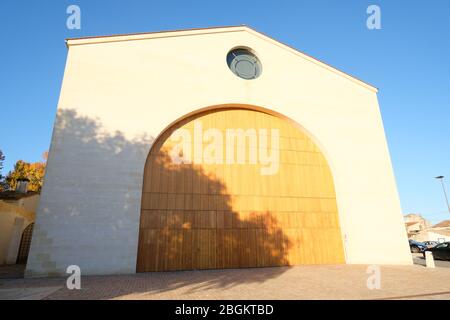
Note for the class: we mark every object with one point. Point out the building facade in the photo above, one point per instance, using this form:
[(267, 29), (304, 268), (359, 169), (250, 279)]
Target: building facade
[(17, 216), (415, 224), (213, 148), (421, 230)]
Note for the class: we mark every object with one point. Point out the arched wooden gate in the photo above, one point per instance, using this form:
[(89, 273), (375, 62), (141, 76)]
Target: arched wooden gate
[(226, 210)]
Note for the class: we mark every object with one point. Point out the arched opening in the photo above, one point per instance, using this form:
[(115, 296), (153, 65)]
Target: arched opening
[(234, 187), (25, 242)]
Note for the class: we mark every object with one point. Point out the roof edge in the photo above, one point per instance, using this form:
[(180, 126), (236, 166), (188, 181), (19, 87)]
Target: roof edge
[(147, 35), (198, 31)]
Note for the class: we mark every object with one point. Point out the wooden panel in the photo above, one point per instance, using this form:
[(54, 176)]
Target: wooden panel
[(212, 214)]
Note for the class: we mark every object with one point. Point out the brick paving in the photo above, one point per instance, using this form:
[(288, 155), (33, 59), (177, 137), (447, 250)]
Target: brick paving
[(12, 271), (300, 282)]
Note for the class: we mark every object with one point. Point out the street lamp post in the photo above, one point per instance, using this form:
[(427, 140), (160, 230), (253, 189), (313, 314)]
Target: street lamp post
[(441, 178)]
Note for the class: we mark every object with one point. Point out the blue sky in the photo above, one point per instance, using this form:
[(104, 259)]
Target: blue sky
[(408, 60)]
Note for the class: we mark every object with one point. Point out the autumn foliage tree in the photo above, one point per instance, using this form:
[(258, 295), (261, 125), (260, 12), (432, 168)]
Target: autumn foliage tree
[(32, 171), (2, 178)]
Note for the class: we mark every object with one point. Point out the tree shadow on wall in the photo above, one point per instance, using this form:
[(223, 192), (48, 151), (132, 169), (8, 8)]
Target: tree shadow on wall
[(87, 163), (189, 222), (188, 219), (97, 161)]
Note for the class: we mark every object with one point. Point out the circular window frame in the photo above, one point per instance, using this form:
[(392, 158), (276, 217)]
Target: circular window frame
[(252, 53)]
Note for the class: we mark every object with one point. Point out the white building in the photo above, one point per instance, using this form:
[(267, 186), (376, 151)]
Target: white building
[(420, 231), (111, 205)]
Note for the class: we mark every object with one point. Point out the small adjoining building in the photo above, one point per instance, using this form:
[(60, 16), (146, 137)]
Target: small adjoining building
[(17, 216)]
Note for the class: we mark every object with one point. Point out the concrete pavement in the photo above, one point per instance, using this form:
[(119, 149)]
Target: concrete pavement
[(419, 260)]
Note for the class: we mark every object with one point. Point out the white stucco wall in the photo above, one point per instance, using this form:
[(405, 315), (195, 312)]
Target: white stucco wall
[(120, 94)]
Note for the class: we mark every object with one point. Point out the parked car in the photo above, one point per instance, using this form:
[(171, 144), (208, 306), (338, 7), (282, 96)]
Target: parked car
[(417, 247), (430, 244), (440, 251)]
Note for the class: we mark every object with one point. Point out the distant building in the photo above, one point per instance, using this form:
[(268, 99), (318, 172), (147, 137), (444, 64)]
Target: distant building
[(437, 235), (414, 224), (440, 232), (420, 229), (445, 224)]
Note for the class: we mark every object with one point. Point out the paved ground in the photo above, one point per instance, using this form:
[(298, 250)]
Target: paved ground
[(301, 282), (419, 260), (12, 271)]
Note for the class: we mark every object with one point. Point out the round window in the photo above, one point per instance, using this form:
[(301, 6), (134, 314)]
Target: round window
[(244, 64)]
